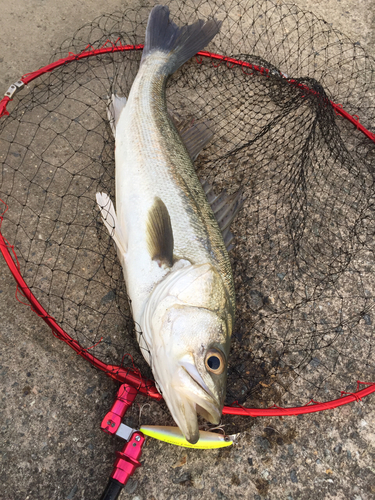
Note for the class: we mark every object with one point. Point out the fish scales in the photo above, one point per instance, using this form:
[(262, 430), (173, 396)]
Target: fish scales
[(175, 263), (156, 163)]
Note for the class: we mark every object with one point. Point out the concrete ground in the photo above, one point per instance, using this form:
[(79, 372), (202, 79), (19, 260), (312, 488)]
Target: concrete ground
[(52, 402)]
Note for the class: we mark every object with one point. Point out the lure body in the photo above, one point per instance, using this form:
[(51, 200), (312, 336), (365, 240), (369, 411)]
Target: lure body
[(172, 435)]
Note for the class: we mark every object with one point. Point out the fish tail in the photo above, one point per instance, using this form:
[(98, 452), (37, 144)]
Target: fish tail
[(181, 43)]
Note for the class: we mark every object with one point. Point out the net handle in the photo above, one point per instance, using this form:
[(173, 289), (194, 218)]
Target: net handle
[(112, 490), (119, 373)]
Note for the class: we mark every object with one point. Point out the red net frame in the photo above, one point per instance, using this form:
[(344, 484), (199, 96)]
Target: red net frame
[(132, 377)]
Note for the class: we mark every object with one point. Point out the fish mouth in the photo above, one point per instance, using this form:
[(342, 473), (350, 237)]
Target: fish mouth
[(194, 398), (192, 372)]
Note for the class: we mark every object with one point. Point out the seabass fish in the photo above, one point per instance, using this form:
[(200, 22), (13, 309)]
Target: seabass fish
[(170, 245)]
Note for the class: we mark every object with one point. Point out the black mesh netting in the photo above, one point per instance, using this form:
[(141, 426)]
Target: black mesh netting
[(304, 256)]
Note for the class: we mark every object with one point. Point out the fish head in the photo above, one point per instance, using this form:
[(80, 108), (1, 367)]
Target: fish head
[(190, 366), (189, 355)]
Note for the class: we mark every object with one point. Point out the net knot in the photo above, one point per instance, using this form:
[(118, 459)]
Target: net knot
[(278, 407), (359, 383), (135, 369), (354, 394), (108, 42), (338, 105), (247, 65), (89, 48), (237, 404), (57, 335), (312, 402)]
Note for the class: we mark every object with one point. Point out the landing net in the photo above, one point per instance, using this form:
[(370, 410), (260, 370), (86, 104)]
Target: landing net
[(291, 101)]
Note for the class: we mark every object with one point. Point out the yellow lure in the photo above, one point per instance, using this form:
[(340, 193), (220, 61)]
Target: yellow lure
[(173, 435)]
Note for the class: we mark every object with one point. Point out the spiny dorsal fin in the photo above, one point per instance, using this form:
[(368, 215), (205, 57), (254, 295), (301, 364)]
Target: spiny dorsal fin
[(194, 134), (225, 209), (160, 234)]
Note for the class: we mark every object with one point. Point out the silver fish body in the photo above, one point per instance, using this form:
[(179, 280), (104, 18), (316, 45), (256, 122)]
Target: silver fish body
[(152, 162), (176, 266)]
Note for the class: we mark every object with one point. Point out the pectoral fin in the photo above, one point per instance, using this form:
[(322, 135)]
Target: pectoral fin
[(160, 234), (115, 106)]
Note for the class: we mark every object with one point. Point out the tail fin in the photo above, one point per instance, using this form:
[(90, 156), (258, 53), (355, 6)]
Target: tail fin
[(181, 43)]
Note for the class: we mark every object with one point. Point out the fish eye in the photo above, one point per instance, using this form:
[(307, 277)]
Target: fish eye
[(215, 361)]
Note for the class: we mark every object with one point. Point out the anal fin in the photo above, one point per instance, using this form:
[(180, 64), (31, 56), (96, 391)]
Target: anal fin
[(225, 209), (110, 221)]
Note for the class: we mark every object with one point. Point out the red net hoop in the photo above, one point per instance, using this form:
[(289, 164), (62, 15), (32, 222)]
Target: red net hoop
[(303, 89)]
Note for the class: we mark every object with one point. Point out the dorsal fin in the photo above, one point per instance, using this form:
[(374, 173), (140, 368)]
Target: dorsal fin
[(194, 134), (225, 209), (160, 234)]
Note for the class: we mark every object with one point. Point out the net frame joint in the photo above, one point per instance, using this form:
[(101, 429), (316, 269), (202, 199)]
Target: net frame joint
[(13, 89), (124, 399)]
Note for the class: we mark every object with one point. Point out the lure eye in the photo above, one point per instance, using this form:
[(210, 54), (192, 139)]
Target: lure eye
[(215, 361)]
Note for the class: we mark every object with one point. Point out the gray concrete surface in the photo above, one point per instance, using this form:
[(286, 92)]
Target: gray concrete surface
[(52, 402)]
